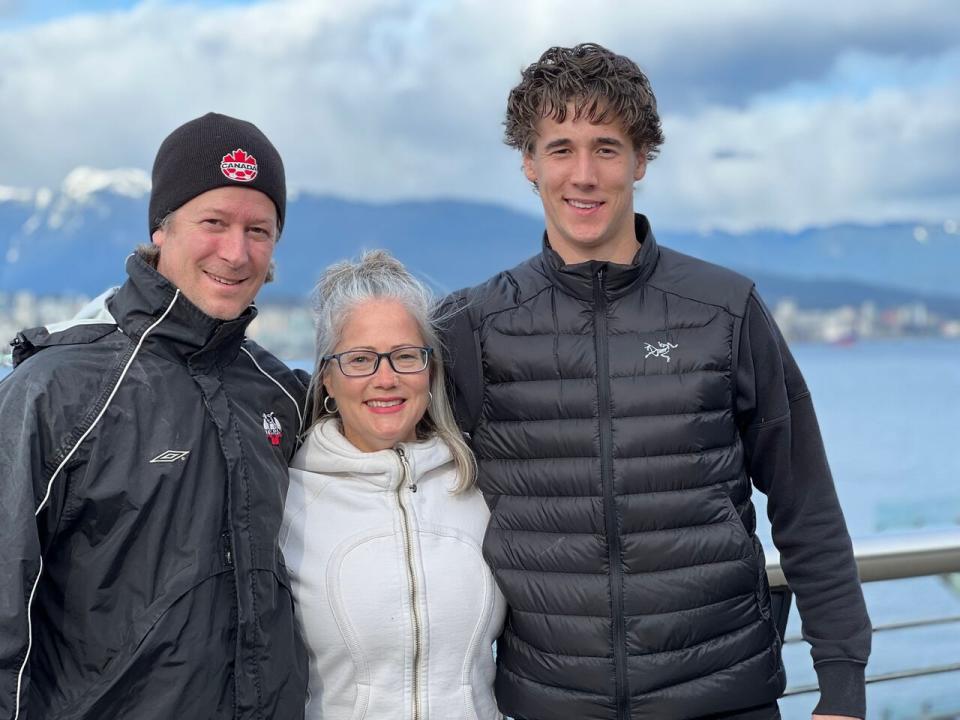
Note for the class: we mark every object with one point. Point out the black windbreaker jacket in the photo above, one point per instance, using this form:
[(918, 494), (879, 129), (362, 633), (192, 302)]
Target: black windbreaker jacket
[(144, 468), (616, 448)]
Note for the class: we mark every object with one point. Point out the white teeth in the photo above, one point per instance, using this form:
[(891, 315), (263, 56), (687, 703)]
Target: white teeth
[(223, 281), (383, 403), (583, 205)]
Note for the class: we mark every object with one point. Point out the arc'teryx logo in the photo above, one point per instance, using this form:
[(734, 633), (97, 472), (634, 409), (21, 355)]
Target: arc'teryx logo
[(661, 351), (169, 456)]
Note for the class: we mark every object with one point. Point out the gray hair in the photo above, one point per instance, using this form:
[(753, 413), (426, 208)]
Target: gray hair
[(379, 275)]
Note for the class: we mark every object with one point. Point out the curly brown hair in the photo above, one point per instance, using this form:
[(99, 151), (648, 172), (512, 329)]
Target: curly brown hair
[(603, 87)]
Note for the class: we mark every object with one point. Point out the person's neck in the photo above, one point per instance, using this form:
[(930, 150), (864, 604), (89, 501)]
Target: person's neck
[(621, 252)]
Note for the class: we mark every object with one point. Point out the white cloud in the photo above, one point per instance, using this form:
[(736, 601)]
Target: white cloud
[(890, 156), (15, 194), (385, 99)]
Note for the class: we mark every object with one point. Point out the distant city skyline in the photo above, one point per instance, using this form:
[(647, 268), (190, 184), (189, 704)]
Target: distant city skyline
[(777, 115)]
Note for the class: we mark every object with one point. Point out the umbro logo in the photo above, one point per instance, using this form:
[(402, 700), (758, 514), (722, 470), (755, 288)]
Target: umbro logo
[(170, 456), (661, 351)]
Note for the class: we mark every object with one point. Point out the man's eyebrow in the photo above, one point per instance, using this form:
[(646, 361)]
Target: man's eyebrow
[(225, 213), (564, 142)]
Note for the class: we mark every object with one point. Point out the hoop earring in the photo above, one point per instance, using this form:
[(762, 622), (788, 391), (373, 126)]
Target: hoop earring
[(429, 395), (326, 406)]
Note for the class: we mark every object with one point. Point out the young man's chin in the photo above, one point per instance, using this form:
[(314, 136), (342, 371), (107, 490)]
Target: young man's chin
[(587, 241)]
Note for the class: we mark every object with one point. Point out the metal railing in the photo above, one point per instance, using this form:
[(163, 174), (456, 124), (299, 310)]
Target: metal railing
[(887, 557)]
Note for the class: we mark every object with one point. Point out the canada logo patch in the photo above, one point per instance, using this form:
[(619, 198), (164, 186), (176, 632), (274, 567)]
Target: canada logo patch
[(271, 426), (239, 165)]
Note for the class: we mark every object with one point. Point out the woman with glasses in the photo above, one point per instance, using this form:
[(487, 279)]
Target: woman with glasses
[(383, 525)]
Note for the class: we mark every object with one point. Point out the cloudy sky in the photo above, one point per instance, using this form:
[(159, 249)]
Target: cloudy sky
[(777, 114)]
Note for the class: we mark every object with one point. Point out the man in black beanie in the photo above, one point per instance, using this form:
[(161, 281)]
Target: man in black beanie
[(145, 452), (216, 210)]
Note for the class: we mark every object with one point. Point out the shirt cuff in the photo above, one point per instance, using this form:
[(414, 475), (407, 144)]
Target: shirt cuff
[(842, 689)]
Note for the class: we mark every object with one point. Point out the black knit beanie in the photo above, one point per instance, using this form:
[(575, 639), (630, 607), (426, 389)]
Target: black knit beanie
[(210, 152)]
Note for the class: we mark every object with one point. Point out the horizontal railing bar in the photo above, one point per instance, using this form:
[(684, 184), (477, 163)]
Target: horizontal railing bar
[(884, 677), (893, 557), (901, 625)]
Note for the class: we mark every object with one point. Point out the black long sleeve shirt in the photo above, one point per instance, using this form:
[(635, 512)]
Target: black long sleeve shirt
[(786, 461)]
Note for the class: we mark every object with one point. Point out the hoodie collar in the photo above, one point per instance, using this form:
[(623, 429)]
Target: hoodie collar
[(577, 280), (186, 334), (327, 451)]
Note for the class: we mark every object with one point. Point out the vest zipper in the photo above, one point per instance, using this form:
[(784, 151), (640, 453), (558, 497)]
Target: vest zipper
[(411, 577), (227, 549), (609, 502)]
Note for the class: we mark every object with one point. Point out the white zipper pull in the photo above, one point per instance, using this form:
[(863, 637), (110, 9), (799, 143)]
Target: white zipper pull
[(406, 468)]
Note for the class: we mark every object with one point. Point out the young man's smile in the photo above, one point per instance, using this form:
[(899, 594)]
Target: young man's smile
[(585, 172)]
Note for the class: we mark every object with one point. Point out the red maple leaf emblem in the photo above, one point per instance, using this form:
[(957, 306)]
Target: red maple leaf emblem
[(239, 155), (239, 165)]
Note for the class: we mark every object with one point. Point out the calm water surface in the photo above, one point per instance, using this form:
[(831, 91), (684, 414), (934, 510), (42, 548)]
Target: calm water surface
[(890, 416)]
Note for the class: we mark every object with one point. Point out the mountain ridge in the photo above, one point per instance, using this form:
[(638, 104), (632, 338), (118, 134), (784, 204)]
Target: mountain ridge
[(75, 240)]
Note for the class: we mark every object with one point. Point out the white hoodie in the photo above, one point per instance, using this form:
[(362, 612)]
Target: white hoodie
[(398, 607)]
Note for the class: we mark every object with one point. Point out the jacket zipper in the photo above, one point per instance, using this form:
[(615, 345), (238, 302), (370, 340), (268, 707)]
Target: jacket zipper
[(411, 577), (609, 502)]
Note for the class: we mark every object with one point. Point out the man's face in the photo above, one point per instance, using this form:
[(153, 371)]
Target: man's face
[(585, 174), (217, 248)]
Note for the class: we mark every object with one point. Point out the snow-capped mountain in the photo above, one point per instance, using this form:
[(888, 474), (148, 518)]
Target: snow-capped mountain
[(84, 189), (54, 240), (74, 240)]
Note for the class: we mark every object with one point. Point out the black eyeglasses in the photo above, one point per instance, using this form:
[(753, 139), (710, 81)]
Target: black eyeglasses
[(360, 363)]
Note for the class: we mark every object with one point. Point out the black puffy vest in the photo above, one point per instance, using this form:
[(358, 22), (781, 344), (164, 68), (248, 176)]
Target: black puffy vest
[(622, 531)]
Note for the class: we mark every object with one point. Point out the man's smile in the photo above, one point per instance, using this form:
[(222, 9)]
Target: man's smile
[(584, 204), (222, 280)]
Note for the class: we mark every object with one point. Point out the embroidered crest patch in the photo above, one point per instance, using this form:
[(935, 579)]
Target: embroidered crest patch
[(239, 166), (271, 426)]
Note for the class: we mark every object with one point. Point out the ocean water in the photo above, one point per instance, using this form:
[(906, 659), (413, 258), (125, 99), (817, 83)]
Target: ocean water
[(890, 416)]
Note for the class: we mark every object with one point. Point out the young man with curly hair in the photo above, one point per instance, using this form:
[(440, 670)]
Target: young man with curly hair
[(623, 400)]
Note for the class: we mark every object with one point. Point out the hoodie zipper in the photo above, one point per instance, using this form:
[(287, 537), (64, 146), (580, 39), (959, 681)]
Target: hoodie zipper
[(411, 575), (609, 501)]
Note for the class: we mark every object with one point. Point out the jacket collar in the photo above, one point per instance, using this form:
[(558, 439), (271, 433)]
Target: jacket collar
[(326, 451), (577, 280), (186, 333)]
